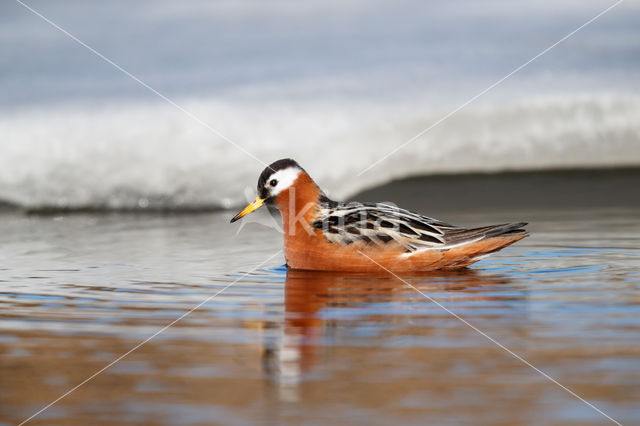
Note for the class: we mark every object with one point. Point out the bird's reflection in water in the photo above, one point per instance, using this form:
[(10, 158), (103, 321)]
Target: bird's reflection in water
[(309, 293)]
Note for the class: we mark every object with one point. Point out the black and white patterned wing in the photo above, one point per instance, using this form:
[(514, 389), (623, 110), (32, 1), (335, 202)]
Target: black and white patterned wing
[(377, 223)]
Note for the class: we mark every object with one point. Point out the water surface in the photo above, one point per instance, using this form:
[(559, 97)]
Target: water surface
[(279, 346)]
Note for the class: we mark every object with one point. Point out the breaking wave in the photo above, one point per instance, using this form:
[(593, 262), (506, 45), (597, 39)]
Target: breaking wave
[(150, 156)]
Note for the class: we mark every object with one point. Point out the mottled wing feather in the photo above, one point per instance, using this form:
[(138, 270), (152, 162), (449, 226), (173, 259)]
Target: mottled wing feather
[(377, 223)]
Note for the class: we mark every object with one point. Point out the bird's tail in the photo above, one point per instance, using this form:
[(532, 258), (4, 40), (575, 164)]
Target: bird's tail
[(473, 244), (505, 231)]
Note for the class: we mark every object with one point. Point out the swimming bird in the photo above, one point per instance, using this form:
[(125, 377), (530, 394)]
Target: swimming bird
[(327, 235)]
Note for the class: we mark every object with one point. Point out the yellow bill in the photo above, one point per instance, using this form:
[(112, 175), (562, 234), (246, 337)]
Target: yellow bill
[(251, 207)]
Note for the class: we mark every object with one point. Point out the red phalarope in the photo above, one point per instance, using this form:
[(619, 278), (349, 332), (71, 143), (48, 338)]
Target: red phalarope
[(322, 234)]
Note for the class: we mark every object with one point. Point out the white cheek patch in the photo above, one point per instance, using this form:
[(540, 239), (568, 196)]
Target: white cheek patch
[(285, 179)]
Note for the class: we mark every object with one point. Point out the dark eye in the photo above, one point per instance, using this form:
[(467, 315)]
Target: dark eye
[(273, 182)]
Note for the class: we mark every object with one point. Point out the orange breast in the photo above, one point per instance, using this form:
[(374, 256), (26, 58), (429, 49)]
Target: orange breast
[(306, 247), (314, 252)]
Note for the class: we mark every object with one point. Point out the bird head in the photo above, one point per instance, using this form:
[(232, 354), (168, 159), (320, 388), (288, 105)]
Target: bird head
[(277, 177)]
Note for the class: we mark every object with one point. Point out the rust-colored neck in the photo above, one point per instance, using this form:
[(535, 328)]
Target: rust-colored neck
[(298, 205)]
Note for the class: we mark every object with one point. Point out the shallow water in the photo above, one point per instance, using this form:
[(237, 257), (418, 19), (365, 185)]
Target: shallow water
[(279, 346)]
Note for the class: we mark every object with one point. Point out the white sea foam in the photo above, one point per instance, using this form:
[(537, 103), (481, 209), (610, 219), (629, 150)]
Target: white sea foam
[(149, 155)]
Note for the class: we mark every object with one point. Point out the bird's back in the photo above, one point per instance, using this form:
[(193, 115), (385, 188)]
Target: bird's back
[(369, 236)]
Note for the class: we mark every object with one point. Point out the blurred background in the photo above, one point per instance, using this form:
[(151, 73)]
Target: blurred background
[(334, 85)]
